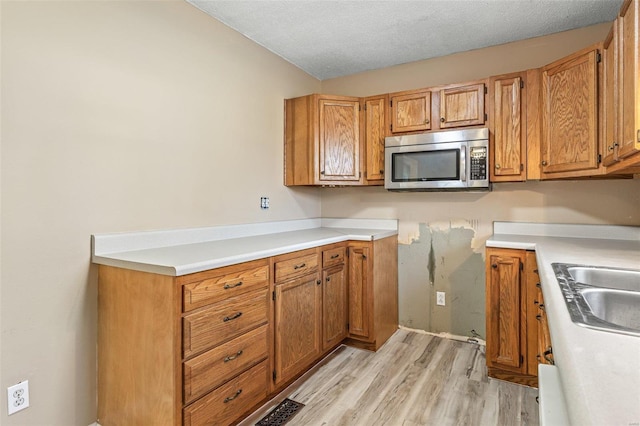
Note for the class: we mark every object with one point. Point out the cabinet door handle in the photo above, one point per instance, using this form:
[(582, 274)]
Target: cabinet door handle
[(321, 172), (538, 285), (232, 357), (498, 166), (302, 265), (442, 119), (426, 121), (494, 266), (544, 163), (232, 317), (541, 306), (546, 356), (328, 279), (335, 256), (231, 398), (319, 282), (228, 286), (539, 317)]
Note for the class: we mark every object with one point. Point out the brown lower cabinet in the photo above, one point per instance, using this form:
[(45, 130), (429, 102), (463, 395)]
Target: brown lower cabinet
[(210, 347), (517, 335)]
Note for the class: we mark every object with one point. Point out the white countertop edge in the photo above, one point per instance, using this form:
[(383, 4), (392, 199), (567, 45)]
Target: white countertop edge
[(500, 242), (102, 244), (190, 268), (608, 232)]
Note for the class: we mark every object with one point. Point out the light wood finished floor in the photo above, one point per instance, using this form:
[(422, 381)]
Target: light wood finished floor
[(414, 379)]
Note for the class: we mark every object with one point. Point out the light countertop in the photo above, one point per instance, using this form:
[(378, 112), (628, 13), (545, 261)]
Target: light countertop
[(599, 371), (181, 252)]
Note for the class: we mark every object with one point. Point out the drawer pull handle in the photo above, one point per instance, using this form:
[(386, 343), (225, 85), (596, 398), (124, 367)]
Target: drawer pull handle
[(231, 398), (539, 317), (541, 306), (232, 357), (538, 285), (228, 286), (335, 256), (232, 317), (302, 265)]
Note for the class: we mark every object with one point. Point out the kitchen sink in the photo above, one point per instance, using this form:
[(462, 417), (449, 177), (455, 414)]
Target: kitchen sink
[(606, 299), (621, 279)]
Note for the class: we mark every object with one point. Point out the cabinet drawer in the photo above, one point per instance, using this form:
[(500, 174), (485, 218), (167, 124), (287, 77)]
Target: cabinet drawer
[(212, 368), (223, 321), (231, 400), (296, 267), (229, 282), (333, 256)]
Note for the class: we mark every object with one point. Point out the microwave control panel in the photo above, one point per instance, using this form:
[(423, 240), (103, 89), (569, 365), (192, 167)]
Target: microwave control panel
[(478, 156)]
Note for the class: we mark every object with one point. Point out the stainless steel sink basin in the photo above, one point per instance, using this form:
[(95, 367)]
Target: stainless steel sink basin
[(618, 307), (602, 298), (621, 279)]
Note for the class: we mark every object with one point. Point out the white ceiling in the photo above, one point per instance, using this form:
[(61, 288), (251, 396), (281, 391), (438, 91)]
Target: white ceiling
[(333, 38)]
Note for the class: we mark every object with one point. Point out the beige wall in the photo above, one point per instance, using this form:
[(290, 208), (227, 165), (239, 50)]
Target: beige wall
[(120, 116), (442, 234)]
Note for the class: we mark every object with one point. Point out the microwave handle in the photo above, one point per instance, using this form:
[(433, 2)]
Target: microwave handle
[(463, 163)]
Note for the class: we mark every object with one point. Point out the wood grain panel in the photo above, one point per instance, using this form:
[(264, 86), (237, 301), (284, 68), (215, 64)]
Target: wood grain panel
[(296, 267), (570, 99), (339, 138), (298, 317), (208, 327), (226, 282), (531, 307), (629, 88), (385, 289), (334, 306), (608, 118), (360, 291), (139, 380), (503, 307), (376, 125), (534, 123), (299, 156), (462, 106), (229, 401), (410, 111), (508, 130), (333, 256), (212, 368)]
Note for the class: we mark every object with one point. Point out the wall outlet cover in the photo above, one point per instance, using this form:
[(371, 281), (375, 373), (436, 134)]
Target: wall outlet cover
[(440, 298), (17, 397)]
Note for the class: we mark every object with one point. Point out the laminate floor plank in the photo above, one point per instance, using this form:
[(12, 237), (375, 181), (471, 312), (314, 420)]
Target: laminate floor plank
[(415, 379)]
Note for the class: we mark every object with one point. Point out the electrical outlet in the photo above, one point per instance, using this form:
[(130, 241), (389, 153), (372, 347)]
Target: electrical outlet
[(264, 203), (18, 397), (440, 298)]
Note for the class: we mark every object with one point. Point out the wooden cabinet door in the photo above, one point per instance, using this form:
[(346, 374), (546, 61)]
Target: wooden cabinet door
[(569, 118), (410, 111), (505, 340), (298, 313), (509, 129), (360, 292), (629, 87), (339, 140), (376, 125), (462, 106), (334, 306), (532, 300), (609, 97)]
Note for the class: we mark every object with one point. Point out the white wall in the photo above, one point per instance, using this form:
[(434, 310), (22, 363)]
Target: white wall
[(120, 116)]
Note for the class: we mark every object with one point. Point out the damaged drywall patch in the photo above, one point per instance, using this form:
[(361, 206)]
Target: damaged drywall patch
[(443, 257)]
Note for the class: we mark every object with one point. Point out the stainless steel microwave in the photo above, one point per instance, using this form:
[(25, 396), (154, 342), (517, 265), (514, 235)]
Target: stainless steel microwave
[(454, 160)]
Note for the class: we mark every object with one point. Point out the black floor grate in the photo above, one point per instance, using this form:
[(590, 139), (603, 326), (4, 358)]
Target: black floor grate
[(281, 414)]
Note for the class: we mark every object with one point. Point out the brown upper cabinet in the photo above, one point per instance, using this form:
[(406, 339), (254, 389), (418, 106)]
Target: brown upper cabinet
[(322, 140), (330, 139), (507, 125), (569, 146), (461, 105), (621, 137), (376, 123), (410, 111)]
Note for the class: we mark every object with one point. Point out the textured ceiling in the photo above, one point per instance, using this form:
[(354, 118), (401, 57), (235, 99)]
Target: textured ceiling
[(335, 38)]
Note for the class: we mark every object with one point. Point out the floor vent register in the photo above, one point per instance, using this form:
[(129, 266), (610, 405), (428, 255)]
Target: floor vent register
[(281, 414)]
